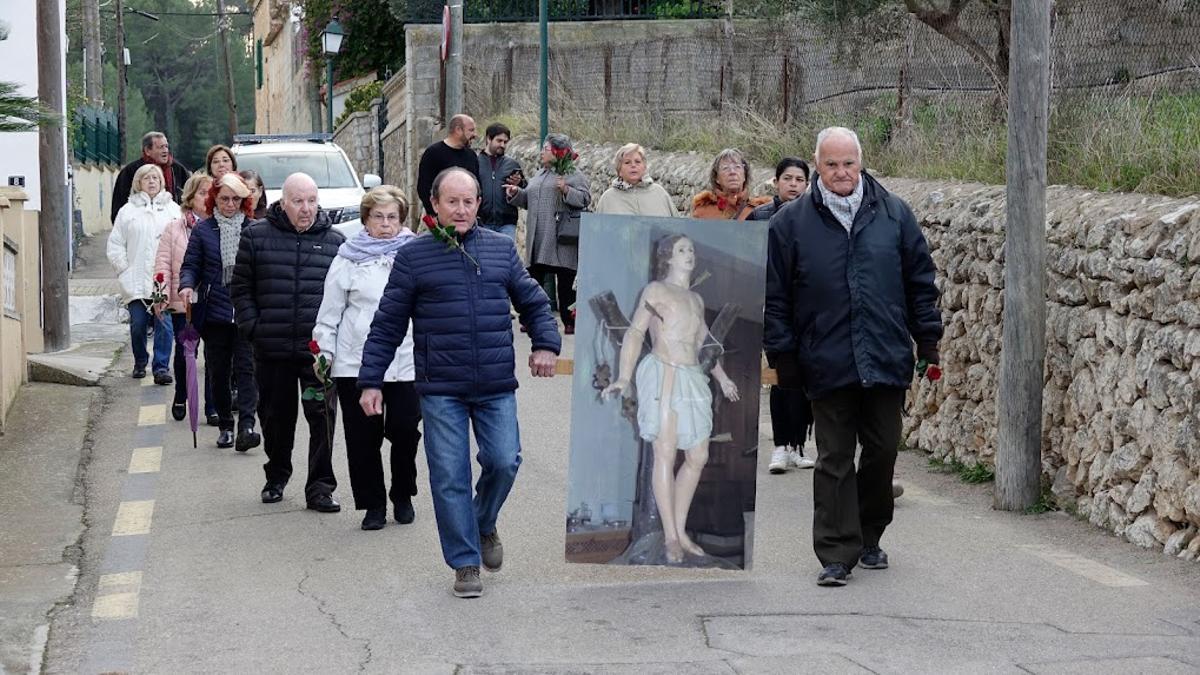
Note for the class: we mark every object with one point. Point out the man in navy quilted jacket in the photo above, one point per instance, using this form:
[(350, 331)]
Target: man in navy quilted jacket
[(456, 288)]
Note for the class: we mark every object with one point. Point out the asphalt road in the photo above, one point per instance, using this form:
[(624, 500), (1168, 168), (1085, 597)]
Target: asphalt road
[(184, 570)]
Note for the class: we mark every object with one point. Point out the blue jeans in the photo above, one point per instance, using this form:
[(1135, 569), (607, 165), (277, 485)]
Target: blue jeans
[(164, 337), (460, 519), (509, 231)]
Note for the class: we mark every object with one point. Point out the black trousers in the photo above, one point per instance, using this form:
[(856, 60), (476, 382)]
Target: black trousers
[(364, 439), (851, 510), (229, 360), (280, 387), (791, 417), (564, 280)]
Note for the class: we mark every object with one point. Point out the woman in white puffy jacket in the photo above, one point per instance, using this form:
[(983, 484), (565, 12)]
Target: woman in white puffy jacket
[(132, 246), (353, 287)]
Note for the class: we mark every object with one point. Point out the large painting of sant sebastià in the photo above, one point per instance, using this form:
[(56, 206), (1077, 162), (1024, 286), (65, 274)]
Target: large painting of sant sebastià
[(664, 419)]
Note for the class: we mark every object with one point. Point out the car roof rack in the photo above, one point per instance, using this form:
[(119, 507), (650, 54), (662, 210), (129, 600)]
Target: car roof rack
[(251, 139)]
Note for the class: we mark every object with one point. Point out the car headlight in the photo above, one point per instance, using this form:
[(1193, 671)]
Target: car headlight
[(345, 214)]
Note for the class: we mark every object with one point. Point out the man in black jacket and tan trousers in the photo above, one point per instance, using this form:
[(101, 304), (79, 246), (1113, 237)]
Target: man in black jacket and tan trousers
[(850, 289), (278, 283)]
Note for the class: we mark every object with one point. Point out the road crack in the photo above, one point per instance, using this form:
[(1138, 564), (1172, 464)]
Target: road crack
[(368, 652)]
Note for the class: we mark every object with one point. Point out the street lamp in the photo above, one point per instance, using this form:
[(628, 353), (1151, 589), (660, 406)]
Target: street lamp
[(331, 42)]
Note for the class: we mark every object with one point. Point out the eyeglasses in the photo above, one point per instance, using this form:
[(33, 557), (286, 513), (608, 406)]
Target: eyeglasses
[(385, 218)]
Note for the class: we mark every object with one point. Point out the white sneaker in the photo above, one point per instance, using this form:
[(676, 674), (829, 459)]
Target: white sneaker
[(779, 460), (798, 460)]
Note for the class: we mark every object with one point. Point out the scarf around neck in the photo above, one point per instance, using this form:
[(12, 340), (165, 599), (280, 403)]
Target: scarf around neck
[(621, 184), (231, 234), (363, 247), (842, 208)]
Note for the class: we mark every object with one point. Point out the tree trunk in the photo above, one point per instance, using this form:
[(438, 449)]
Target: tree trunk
[(93, 65), (227, 67)]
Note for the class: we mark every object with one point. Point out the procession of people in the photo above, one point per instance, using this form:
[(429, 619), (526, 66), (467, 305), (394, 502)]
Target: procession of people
[(409, 337)]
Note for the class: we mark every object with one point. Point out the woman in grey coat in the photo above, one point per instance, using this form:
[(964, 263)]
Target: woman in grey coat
[(548, 194)]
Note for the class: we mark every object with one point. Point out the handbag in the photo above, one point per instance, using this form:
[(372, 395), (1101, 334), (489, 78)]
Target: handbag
[(566, 224)]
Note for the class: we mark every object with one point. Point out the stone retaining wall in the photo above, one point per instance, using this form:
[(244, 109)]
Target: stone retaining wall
[(1121, 433)]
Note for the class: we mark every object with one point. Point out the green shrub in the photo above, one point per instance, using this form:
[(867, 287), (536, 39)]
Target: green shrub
[(359, 100)]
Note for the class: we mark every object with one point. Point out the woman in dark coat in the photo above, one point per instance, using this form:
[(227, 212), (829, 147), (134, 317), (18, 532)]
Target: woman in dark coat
[(204, 279)]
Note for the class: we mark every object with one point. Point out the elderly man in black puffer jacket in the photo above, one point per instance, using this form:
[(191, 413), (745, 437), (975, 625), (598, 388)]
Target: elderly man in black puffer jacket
[(278, 283)]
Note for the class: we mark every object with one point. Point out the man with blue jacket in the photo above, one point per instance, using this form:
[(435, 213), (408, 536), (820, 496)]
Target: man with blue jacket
[(456, 288), (850, 288)]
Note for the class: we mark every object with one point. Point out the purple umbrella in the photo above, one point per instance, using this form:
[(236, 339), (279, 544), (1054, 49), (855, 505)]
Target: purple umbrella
[(189, 340)]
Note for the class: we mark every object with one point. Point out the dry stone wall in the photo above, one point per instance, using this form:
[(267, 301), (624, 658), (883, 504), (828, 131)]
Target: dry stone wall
[(1121, 436)]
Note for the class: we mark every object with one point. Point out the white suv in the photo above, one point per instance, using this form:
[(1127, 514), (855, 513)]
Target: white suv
[(275, 157)]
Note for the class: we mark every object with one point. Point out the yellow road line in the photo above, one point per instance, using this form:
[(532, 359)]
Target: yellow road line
[(1085, 567), (133, 518), (146, 460), (150, 415), (117, 596)]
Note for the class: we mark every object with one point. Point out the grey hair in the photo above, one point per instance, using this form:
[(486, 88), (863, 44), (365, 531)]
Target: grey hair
[(559, 141), (731, 154), (150, 137), (625, 151), (829, 132)]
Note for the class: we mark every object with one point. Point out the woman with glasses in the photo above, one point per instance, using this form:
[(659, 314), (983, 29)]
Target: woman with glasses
[(791, 413), (204, 281), (727, 196), (353, 287)]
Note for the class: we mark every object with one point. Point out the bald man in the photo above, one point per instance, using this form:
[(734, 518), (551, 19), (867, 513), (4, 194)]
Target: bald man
[(850, 289), (278, 283), (458, 300), (453, 151)]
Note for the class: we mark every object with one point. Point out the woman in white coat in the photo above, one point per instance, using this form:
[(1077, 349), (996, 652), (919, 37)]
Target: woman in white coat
[(353, 287), (132, 246)]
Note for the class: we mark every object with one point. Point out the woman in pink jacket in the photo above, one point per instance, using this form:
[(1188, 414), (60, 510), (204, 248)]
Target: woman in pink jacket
[(171, 248)]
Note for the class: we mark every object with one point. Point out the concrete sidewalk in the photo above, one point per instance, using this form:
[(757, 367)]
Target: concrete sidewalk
[(44, 452)]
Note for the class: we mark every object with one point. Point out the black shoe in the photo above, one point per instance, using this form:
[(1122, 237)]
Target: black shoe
[(178, 411), (225, 439), (247, 438), (163, 378), (271, 493), (325, 504), (491, 551), (873, 558), (404, 512), (139, 372), (214, 420), (375, 519), (834, 574)]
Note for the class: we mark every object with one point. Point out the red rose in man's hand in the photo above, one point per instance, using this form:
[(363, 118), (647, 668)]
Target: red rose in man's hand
[(314, 347), (160, 277), (933, 372)]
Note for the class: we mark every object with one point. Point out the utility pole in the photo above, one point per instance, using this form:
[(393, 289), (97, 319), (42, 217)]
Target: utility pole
[(231, 102), (544, 70), (122, 83), (93, 64), (454, 66), (1022, 358), (52, 219)]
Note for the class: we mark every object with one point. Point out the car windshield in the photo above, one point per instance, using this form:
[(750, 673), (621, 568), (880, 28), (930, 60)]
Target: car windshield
[(328, 169)]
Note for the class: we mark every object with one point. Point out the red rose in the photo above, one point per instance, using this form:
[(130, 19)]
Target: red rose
[(429, 221), (314, 347), (933, 372), (574, 155), (559, 152), (160, 277)]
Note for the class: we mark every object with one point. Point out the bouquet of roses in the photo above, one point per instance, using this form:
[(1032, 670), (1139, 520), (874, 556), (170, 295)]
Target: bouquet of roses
[(447, 235), (564, 160)]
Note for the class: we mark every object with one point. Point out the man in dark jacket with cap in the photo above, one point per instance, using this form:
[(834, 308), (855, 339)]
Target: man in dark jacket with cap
[(850, 288), (278, 283), (456, 289)]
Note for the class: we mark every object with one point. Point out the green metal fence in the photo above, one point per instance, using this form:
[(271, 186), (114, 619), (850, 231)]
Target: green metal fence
[(96, 138)]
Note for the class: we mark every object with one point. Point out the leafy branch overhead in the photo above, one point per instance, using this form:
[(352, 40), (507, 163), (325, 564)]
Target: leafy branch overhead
[(21, 113), (374, 41)]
